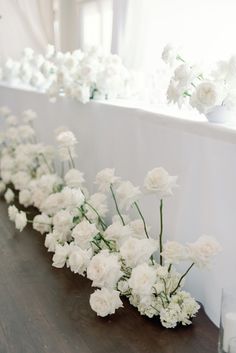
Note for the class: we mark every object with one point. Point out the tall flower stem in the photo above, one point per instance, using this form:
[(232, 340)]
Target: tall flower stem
[(181, 279), (141, 215), (161, 231), (46, 162), (116, 204), (103, 224), (71, 159)]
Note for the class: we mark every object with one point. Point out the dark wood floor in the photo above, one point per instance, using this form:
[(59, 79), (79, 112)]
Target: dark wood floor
[(43, 309)]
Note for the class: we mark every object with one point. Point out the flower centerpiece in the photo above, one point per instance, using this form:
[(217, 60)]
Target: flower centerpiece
[(122, 257)]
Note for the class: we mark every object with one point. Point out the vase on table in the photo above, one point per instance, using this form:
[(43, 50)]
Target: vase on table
[(219, 114), (227, 335)]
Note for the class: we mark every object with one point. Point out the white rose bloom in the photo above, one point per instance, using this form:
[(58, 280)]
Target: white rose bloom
[(207, 95), (142, 279), (61, 255), (105, 178), (63, 221), (6, 176), (79, 259), (74, 178), (20, 221), (184, 74), (127, 194), (50, 242), (175, 93), (12, 212), (66, 139), (202, 251), (83, 234), (174, 252), (20, 180), (105, 301), (137, 228), (159, 181), (52, 204), (9, 196), (117, 232), (169, 54), (137, 251), (25, 197), (98, 201), (2, 187), (42, 223), (104, 270), (72, 198)]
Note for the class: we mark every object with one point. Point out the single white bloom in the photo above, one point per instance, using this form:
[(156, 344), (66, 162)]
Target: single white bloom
[(9, 195), (98, 202), (61, 255), (118, 233), (79, 259), (42, 223), (83, 234), (51, 242), (74, 178), (21, 220), (2, 187), (12, 212), (127, 194), (169, 54), (142, 279), (25, 197), (137, 228), (202, 251), (174, 252), (160, 182), (105, 301), (137, 251), (105, 178)]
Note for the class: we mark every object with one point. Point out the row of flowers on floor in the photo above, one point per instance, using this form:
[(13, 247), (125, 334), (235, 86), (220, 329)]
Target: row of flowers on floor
[(122, 258)]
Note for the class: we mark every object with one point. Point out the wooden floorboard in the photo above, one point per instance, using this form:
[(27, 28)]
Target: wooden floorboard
[(46, 310)]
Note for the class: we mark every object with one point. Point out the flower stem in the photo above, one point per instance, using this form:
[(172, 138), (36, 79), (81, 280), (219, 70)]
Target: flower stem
[(103, 224), (46, 162), (141, 215), (71, 159), (181, 279), (117, 208), (161, 231)]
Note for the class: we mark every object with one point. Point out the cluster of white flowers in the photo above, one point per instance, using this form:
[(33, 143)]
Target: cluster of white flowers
[(122, 258), (202, 90), (80, 75)]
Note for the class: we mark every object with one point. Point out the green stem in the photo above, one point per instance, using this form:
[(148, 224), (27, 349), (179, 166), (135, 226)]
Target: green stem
[(178, 57), (117, 208), (181, 279), (71, 159), (105, 241), (141, 215), (46, 162), (161, 231), (103, 224)]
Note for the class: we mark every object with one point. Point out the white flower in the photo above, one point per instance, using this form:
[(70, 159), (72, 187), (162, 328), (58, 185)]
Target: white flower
[(142, 280), (2, 187), (63, 221), (72, 198), (127, 194), (207, 95), (105, 301), (61, 254), (66, 139), (104, 270), (20, 180), (98, 202), (20, 221), (169, 54), (184, 74), (175, 93), (79, 259), (137, 251), (137, 228), (159, 181), (12, 212), (25, 197), (117, 232), (12, 120), (105, 178), (51, 242), (203, 250), (174, 252), (9, 195), (83, 234), (74, 178), (42, 223)]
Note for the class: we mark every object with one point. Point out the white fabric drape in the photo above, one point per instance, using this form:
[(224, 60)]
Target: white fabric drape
[(25, 23)]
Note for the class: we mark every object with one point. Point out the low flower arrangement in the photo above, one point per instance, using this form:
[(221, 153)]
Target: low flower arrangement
[(80, 75), (122, 258), (202, 90)]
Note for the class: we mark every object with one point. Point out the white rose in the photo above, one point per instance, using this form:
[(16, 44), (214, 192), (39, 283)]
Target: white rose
[(137, 228), (104, 270), (25, 197), (174, 252), (203, 250), (83, 234), (74, 178), (117, 232), (142, 280), (63, 221), (79, 259), (105, 178), (61, 255), (137, 251), (50, 242), (12, 212), (20, 221), (207, 95), (159, 181), (42, 223), (169, 54), (9, 196), (98, 202), (127, 194), (72, 198), (105, 301)]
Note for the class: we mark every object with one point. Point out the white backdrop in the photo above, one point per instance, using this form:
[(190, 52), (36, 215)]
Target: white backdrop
[(134, 141)]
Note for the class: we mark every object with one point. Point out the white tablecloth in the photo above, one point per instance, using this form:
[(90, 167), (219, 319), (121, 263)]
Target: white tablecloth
[(135, 141)]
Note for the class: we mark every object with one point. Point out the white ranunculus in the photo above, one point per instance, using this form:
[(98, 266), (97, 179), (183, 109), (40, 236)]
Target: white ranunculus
[(20, 180), (63, 221), (79, 259), (117, 232), (137, 251), (174, 252), (9, 195), (202, 251), (72, 198), (159, 181), (12, 212), (61, 255), (127, 194), (84, 233), (105, 301), (105, 178), (104, 270), (142, 279), (42, 223), (20, 220), (74, 178)]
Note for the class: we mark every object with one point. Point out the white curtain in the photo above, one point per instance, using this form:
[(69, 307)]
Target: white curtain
[(25, 23)]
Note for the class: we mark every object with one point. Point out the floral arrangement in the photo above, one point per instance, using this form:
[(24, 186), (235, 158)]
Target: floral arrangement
[(203, 91), (122, 257), (80, 75)]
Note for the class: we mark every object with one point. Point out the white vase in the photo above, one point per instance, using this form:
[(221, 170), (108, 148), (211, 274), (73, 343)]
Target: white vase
[(219, 115)]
